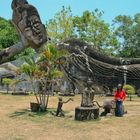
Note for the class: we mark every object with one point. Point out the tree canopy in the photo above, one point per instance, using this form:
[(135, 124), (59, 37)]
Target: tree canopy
[(93, 29), (128, 33), (8, 35)]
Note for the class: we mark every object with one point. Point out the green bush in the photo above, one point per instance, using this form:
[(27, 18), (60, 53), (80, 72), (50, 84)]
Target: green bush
[(129, 89), (7, 82)]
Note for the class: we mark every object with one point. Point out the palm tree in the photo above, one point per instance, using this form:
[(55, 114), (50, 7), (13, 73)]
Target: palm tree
[(48, 64), (42, 70)]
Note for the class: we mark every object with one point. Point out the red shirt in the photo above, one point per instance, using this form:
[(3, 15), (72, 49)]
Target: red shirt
[(120, 95)]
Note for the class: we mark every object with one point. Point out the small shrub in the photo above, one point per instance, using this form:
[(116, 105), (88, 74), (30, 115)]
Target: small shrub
[(7, 82), (130, 90)]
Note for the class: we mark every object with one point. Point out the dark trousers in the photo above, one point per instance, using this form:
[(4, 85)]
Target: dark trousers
[(119, 109)]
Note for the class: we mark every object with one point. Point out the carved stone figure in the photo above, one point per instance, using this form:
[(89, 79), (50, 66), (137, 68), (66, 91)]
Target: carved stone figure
[(78, 46), (29, 27), (88, 110), (109, 107), (28, 24), (88, 95), (59, 111)]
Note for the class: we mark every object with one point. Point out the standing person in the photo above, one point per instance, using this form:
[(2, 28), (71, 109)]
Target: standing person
[(119, 97)]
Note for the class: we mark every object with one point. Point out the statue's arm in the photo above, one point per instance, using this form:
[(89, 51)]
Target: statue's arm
[(70, 99), (26, 32), (8, 54)]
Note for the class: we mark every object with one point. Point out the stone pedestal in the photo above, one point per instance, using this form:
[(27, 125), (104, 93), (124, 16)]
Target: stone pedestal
[(86, 113)]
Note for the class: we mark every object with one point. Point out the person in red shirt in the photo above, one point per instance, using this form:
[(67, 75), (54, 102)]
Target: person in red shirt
[(119, 97)]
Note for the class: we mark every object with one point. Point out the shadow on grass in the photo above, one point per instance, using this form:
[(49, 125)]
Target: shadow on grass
[(19, 113), (25, 112)]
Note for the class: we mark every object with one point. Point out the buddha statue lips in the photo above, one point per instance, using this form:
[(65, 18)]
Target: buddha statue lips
[(28, 24)]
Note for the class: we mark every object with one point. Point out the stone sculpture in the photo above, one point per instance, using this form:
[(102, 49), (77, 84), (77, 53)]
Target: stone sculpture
[(59, 111), (29, 27), (88, 110), (87, 95), (84, 61), (28, 24)]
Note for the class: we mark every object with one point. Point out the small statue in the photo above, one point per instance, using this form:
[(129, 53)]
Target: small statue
[(59, 111), (88, 95), (109, 107)]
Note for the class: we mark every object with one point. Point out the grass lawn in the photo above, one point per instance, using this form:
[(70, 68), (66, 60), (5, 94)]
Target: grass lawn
[(17, 123)]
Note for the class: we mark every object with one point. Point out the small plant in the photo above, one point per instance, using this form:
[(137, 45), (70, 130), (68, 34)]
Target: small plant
[(130, 90), (7, 82)]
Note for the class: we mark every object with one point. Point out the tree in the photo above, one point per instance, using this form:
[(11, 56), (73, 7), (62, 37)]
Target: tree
[(7, 82), (127, 31), (30, 68), (61, 26), (91, 28), (8, 35), (130, 90), (48, 63), (42, 70)]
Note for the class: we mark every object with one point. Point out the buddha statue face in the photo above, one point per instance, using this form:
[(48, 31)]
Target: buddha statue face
[(28, 24)]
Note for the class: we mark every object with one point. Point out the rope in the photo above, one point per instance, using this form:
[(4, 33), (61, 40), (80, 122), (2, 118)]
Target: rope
[(101, 72)]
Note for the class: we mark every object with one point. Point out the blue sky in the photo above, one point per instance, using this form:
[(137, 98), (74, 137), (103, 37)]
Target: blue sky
[(48, 8)]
